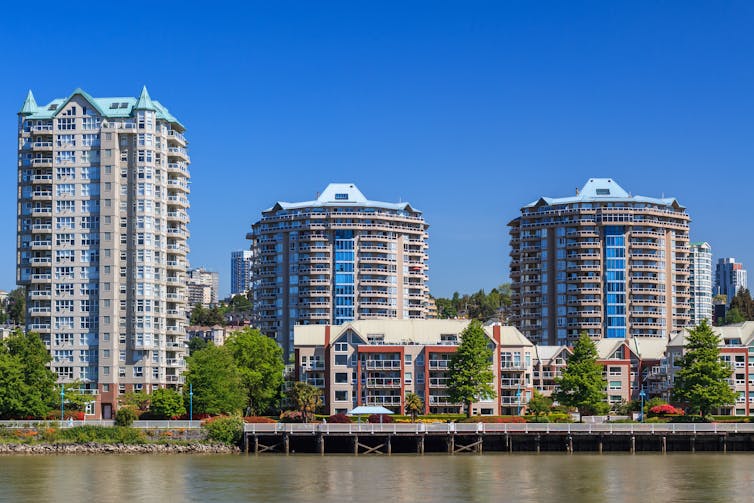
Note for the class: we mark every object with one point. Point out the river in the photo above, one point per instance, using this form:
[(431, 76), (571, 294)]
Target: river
[(549, 478)]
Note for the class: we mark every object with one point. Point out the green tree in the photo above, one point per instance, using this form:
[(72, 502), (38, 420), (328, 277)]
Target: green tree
[(37, 387), (12, 387), (306, 397), (75, 399), (581, 384), (207, 317), (166, 403), (260, 362), (701, 380), (539, 404), (414, 405), (137, 400), (743, 302), (734, 316), (239, 303), (470, 371), (216, 382), (16, 306), (196, 343)]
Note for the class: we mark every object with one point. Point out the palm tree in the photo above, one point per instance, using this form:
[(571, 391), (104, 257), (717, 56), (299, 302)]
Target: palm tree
[(414, 405)]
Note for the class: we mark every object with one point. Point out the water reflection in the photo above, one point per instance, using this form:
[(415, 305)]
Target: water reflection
[(403, 478)]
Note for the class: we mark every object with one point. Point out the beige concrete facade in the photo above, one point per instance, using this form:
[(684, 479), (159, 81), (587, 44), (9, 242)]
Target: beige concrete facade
[(337, 259), (102, 232), (601, 262)]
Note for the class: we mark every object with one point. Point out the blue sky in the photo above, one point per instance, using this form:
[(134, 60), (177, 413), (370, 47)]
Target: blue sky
[(468, 110)]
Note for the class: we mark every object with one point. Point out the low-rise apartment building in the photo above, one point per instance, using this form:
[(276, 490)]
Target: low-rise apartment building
[(736, 349), (377, 362)]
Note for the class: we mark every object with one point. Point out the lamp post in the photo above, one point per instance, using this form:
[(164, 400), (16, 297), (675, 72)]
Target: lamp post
[(191, 404), (62, 404), (642, 395)]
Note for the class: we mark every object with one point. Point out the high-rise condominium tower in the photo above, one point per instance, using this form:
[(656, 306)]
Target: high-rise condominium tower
[(602, 262), (701, 282), (102, 215), (730, 277), (240, 272), (203, 287), (338, 258)]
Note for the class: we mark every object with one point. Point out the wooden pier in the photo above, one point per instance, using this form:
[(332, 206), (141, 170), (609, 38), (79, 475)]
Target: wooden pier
[(477, 438)]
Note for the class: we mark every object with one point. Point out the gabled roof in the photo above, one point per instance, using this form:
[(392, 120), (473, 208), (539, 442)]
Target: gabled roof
[(342, 195), (606, 347), (603, 190), (648, 348), (546, 354), (79, 92), (509, 336), (741, 331)]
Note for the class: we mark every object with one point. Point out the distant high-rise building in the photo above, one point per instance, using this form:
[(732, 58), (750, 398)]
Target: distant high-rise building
[(602, 262), (202, 286), (730, 277), (240, 272), (701, 282), (102, 213), (336, 259)]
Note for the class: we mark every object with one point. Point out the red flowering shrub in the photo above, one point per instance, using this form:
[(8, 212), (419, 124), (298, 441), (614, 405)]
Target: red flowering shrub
[(291, 416), (258, 419), (665, 410), (494, 419), (339, 418), (375, 418)]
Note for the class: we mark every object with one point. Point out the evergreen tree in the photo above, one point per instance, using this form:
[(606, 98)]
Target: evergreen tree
[(701, 381), (470, 373), (744, 304), (582, 385)]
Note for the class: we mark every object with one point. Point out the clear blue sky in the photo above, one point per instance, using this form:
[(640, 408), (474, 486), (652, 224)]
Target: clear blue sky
[(468, 110)]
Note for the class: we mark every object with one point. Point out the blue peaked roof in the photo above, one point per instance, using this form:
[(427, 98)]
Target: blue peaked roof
[(114, 108), (342, 195), (603, 190)]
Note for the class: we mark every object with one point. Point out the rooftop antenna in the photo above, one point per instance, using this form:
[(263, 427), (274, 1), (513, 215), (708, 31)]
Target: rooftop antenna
[(317, 196), (577, 191)]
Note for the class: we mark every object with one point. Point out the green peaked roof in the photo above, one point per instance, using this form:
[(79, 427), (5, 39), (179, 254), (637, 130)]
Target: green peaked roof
[(144, 102), (30, 104)]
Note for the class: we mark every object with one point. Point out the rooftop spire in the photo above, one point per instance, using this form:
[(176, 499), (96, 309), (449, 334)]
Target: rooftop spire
[(30, 105), (144, 102)]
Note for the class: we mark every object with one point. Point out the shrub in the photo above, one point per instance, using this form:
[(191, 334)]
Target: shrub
[(224, 429), (339, 418), (102, 434), (493, 419), (665, 410), (291, 416), (258, 419), (125, 416), (380, 418)]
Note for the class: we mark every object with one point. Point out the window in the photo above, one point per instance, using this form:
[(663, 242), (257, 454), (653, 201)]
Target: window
[(67, 123), (341, 396), (63, 173), (408, 378), (341, 347), (341, 359), (341, 377), (614, 385), (407, 359)]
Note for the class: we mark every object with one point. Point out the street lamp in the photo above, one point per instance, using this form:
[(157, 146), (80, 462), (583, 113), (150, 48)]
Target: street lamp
[(642, 395), (191, 404), (62, 404)]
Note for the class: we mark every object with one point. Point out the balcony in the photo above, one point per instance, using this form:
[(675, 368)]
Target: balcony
[(383, 364), (384, 382), (383, 400)]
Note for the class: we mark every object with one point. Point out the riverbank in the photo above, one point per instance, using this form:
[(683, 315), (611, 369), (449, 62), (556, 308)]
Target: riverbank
[(99, 448)]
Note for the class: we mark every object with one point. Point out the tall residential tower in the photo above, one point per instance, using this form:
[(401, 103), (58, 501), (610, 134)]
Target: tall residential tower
[(337, 259), (730, 277), (701, 283), (602, 262), (102, 215), (240, 272)]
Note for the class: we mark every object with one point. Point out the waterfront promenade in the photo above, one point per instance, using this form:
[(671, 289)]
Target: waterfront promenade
[(455, 438)]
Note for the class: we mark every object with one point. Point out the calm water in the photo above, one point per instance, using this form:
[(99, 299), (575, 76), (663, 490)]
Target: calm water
[(491, 477)]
